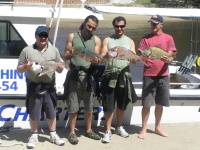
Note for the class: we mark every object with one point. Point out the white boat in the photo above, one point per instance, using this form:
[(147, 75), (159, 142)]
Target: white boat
[(184, 81), (17, 28), (18, 22)]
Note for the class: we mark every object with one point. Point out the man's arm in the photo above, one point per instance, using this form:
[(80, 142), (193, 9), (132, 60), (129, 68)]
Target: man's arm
[(172, 49), (104, 49), (133, 46), (133, 50), (60, 67), (97, 50), (168, 59), (24, 67), (68, 48)]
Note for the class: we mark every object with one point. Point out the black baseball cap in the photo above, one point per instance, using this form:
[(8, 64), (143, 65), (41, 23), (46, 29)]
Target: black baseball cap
[(41, 29)]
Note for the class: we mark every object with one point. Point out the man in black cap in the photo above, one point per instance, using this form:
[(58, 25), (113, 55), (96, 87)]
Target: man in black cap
[(156, 75), (42, 29), (41, 94)]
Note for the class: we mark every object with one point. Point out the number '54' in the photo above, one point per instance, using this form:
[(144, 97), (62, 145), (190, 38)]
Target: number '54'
[(6, 85)]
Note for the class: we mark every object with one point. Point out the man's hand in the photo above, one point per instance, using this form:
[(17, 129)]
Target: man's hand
[(166, 59), (95, 61), (60, 68), (71, 53), (144, 58), (106, 56), (28, 64), (134, 60)]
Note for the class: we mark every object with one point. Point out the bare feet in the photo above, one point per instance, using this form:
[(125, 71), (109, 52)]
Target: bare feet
[(142, 135), (161, 133)]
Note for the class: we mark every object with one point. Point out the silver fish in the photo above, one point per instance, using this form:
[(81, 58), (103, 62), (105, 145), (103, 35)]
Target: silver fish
[(155, 53), (46, 66), (85, 53)]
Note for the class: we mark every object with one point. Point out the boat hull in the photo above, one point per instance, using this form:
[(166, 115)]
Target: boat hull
[(13, 114)]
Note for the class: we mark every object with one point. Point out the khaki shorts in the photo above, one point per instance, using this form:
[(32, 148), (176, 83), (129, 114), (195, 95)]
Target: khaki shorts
[(77, 92), (155, 89)]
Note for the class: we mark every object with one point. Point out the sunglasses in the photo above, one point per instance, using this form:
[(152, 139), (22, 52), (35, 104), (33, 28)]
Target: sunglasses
[(91, 27), (154, 24), (119, 26), (43, 35)]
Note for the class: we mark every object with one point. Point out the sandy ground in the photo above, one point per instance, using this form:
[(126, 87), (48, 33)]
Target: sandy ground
[(184, 136)]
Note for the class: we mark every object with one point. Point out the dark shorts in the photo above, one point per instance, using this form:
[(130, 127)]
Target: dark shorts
[(39, 103), (155, 89), (111, 95)]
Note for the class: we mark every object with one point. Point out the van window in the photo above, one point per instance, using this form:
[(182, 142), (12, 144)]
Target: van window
[(11, 43)]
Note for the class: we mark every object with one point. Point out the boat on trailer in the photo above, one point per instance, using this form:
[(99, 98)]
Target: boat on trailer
[(17, 28)]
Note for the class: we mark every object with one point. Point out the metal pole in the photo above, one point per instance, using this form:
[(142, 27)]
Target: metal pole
[(57, 24), (191, 39), (197, 35), (52, 16), (56, 4)]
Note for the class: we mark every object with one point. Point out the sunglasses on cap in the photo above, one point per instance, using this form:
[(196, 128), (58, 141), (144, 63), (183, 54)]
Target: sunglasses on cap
[(119, 26), (91, 27), (43, 35)]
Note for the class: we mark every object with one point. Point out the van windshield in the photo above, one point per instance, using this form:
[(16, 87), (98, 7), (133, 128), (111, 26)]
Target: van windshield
[(11, 43)]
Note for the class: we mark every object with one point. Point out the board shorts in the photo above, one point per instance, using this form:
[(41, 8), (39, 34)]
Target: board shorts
[(155, 89)]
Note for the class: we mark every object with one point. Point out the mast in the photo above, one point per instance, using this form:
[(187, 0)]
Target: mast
[(57, 23)]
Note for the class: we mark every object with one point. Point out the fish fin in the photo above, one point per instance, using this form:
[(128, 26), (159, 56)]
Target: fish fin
[(40, 74), (44, 73), (153, 56)]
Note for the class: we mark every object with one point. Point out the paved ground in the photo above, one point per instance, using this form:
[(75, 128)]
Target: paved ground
[(184, 136)]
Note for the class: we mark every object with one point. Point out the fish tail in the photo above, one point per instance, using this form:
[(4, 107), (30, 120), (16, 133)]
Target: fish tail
[(141, 60)]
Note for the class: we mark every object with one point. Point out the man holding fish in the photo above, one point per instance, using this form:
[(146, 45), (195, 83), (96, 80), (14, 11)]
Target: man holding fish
[(41, 93), (79, 82), (116, 85), (156, 75)]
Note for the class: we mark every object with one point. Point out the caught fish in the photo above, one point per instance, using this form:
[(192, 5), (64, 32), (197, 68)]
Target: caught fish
[(46, 66), (122, 53), (85, 53), (155, 53)]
